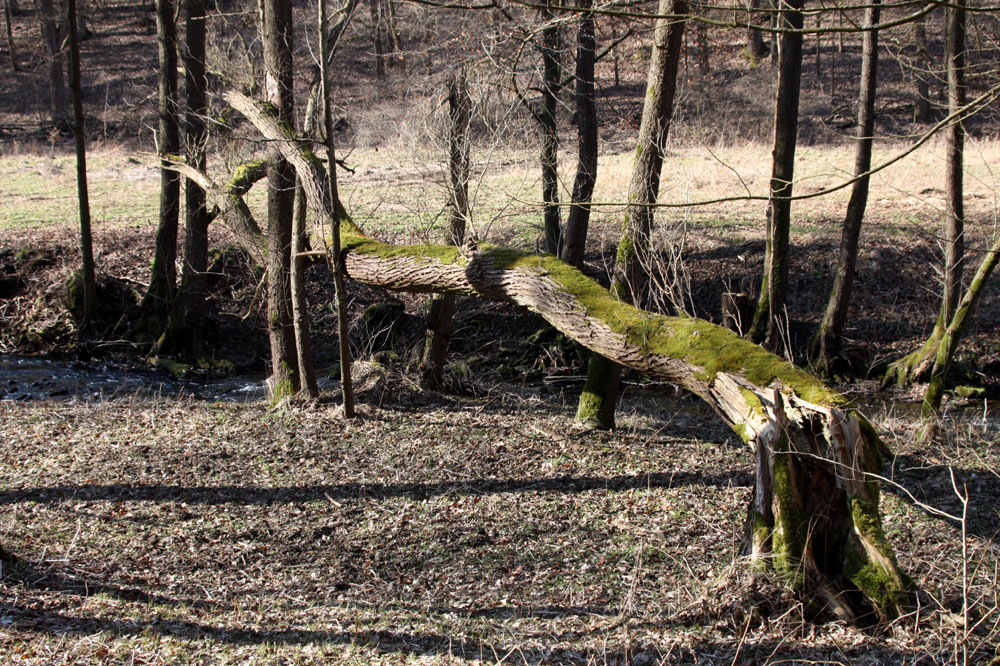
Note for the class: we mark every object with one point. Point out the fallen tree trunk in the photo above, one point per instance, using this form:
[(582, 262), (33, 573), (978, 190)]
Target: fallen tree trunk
[(814, 516)]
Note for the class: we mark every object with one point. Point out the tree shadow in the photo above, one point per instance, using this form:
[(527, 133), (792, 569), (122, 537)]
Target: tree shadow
[(253, 495), (929, 485)]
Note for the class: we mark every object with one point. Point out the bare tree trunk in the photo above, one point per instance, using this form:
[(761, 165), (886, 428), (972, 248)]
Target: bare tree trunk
[(79, 131), (770, 317), (300, 302), (393, 35), (551, 73), (14, 67), (377, 38), (277, 38), (574, 243), (826, 344), (701, 40), (918, 365), (755, 38), (335, 214), (628, 283), (53, 27), (441, 309), (183, 333), (158, 301), (923, 66)]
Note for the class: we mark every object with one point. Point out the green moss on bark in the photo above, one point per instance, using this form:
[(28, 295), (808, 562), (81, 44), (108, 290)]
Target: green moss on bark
[(887, 589)]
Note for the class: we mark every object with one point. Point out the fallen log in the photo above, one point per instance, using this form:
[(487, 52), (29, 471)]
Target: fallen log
[(814, 516)]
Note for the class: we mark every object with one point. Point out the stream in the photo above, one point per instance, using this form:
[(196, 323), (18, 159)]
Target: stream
[(39, 378)]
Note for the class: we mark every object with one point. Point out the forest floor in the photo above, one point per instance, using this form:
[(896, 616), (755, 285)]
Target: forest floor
[(442, 529)]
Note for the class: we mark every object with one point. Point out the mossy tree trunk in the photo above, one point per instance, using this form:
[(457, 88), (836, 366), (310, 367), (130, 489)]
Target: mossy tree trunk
[(918, 365), (628, 282), (157, 303), (441, 309), (951, 339), (549, 130), (574, 240), (770, 318), (277, 40), (814, 513), (826, 344), (183, 335), (79, 133)]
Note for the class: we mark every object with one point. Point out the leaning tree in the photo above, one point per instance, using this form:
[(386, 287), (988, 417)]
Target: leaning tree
[(813, 517)]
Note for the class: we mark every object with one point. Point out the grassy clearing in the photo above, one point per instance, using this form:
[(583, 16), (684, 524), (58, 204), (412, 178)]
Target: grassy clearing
[(472, 531)]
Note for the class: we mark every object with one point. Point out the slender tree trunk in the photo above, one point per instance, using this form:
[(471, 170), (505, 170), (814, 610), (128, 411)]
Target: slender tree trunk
[(441, 309), (918, 365), (628, 283), (548, 117), (158, 302), (574, 242), (79, 131), (14, 67), (922, 72), (377, 38), (284, 381), (393, 35), (300, 302), (183, 334), (770, 317), (701, 40), (336, 216), (53, 27), (954, 256), (826, 344), (755, 38)]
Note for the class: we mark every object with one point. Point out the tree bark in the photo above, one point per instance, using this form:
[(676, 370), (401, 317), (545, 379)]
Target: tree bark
[(159, 298), (14, 67), (548, 125), (918, 365), (79, 132), (53, 28), (276, 35), (770, 318), (628, 282), (329, 210), (441, 309), (827, 342), (755, 38), (183, 333), (922, 108), (574, 241), (377, 38), (300, 302)]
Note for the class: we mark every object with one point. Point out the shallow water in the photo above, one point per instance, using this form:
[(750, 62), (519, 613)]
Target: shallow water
[(37, 378)]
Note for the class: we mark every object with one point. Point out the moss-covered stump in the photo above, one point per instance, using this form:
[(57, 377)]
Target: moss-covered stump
[(815, 516)]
